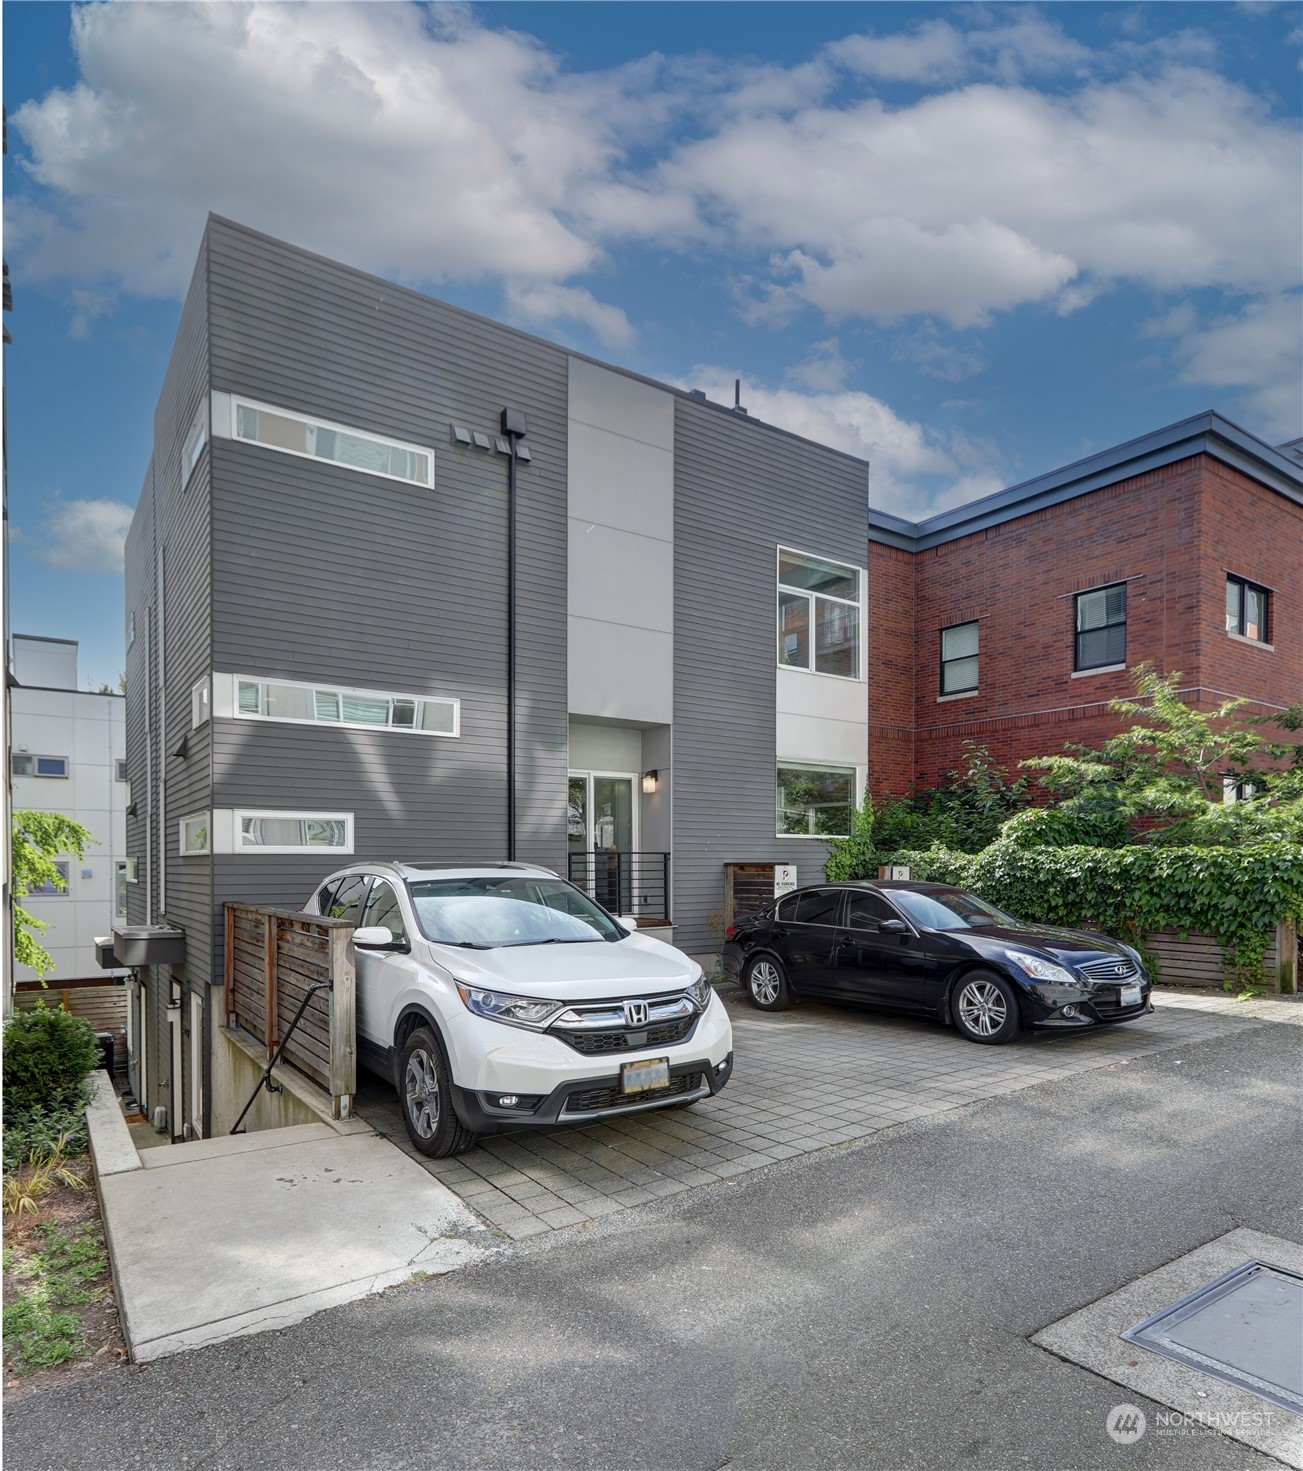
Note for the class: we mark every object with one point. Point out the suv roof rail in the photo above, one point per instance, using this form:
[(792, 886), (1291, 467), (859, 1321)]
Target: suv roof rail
[(533, 868)]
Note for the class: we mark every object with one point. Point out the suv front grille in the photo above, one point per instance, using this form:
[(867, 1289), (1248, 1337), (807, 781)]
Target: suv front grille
[(1107, 970), (594, 1100), (626, 1041)]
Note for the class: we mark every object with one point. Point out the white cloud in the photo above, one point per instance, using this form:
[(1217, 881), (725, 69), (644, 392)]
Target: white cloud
[(539, 302), (411, 142), (937, 52), (824, 370), (84, 536), (913, 469), (1258, 353)]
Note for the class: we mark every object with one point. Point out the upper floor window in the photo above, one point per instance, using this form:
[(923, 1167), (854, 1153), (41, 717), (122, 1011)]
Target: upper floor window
[(120, 767), (818, 615), (195, 832), (317, 440), (194, 441), (1102, 627), (1246, 609), (21, 764), (1238, 789), (959, 658), (333, 705), (815, 801)]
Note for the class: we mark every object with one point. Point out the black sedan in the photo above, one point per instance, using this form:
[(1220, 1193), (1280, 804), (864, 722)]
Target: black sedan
[(936, 951)]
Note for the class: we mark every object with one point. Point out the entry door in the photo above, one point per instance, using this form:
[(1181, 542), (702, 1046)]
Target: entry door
[(602, 825)]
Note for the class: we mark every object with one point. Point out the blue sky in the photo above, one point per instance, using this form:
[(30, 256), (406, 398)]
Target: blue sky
[(970, 242)]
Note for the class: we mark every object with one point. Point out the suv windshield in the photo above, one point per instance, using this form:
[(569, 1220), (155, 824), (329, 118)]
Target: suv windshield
[(951, 909), (508, 911)]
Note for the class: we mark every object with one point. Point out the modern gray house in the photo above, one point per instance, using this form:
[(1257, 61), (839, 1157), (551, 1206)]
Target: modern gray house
[(334, 641)]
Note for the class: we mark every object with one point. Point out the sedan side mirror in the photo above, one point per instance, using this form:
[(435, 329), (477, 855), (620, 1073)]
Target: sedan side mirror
[(373, 937), (893, 927)]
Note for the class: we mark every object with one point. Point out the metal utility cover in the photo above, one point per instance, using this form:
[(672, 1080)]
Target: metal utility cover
[(1246, 1327)]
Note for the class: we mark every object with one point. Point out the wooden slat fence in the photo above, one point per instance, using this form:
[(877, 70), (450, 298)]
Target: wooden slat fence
[(1197, 960), (273, 956)]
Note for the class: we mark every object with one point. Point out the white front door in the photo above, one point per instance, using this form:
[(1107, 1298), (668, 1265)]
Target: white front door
[(602, 829)]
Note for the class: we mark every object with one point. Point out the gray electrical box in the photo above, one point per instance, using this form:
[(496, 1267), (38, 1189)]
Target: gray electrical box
[(149, 944)]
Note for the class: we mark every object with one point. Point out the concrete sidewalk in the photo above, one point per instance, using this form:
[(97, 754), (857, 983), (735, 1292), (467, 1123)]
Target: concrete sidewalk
[(223, 1237)]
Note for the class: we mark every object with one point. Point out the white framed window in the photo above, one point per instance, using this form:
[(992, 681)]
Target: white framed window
[(131, 870), (120, 888), (53, 890), (293, 832), (318, 439), (1238, 789), (21, 764), (818, 614), (194, 441), (323, 704), (959, 658), (814, 801), (195, 834), (201, 699)]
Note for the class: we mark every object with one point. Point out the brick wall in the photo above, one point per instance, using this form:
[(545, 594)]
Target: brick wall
[(1171, 534)]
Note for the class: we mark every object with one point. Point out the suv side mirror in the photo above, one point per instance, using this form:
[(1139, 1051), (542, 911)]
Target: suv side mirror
[(373, 937), (630, 922)]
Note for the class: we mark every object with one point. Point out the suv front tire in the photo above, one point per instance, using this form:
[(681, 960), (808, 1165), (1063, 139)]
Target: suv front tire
[(426, 1099)]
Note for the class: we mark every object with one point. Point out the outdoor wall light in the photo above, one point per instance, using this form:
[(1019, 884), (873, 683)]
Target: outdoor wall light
[(650, 781)]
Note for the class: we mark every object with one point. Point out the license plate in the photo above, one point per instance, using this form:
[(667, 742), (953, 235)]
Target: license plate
[(638, 1077), (1129, 995)]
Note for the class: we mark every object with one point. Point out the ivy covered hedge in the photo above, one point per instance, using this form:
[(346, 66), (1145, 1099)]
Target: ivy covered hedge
[(1235, 895)]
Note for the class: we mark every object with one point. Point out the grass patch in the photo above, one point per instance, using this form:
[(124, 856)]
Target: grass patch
[(62, 1269)]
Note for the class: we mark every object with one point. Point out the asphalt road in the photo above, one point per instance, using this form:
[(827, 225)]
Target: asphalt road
[(865, 1308)]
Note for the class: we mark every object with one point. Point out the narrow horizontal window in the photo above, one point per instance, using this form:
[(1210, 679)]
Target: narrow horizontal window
[(200, 703), (959, 645), (195, 833), (295, 434), (818, 615), (1246, 609), (294, 832), (194, 441), (1101, 637), (55, 888), (21, 764), (815, 801), (312, 704)]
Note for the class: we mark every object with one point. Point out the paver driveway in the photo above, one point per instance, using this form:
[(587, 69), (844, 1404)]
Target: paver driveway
[(804, 1080)]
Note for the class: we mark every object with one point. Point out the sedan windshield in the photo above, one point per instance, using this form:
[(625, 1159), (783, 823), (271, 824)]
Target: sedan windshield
[(492, 911), (950, 909)]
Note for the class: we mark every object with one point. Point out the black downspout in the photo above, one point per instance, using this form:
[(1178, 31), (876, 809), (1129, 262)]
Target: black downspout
[(513, 428)]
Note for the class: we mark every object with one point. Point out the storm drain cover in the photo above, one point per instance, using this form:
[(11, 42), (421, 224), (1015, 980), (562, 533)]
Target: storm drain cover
[(1246, 1328)]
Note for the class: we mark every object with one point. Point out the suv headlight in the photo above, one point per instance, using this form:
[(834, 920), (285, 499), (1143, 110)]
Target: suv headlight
[(531, 1012), (700, 992), (1041, 969)]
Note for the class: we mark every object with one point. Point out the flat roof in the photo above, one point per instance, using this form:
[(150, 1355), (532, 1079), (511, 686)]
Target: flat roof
[(1207, 433)]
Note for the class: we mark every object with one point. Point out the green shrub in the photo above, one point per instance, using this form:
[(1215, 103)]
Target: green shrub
[(48, 1054)]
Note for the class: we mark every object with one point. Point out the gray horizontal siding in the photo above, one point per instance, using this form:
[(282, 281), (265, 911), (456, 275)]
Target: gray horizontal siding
[(320, 572), (739, 491)]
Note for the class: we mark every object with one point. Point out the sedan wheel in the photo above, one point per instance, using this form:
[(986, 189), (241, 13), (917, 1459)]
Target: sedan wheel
[(767, 985), (985, 1008)]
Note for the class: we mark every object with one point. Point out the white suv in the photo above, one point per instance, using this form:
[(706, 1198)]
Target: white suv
[(497, 996)]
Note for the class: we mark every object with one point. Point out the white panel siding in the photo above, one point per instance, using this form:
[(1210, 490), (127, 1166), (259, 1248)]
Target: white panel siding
[(621, 673)]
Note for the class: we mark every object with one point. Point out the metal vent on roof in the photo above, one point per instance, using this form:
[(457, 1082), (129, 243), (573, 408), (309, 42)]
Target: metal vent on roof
[(1246, 1328)]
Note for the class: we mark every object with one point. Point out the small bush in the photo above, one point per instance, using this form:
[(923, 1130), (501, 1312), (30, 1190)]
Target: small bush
[(48, 1054), (40, 1132)]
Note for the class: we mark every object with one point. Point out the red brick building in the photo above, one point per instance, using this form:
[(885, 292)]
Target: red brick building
[(1014, 620)]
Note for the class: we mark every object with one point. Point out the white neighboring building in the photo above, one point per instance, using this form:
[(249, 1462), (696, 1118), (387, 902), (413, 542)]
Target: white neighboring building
[(68, 755)]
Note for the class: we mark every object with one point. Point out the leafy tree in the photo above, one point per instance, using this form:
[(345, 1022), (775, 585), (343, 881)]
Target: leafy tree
[(1162, 778), (38, 839)]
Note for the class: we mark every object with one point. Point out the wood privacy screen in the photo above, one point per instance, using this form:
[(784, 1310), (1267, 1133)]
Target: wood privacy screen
[(272, 957)]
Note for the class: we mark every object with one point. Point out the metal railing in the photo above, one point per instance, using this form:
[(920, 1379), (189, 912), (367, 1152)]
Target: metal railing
[(625, 883)]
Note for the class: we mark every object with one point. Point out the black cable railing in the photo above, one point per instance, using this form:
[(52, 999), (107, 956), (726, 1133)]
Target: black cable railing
[(625, 883)]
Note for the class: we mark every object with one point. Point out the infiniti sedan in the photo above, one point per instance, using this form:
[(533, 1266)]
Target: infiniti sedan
[(936, 951)]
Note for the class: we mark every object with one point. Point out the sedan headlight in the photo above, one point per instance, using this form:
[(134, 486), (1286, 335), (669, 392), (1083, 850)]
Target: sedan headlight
[(700, 991), (531, 1012), (1040, 969)]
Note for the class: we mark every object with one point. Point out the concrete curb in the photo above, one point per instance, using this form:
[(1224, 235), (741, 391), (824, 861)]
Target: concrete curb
[(111, 1147)]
